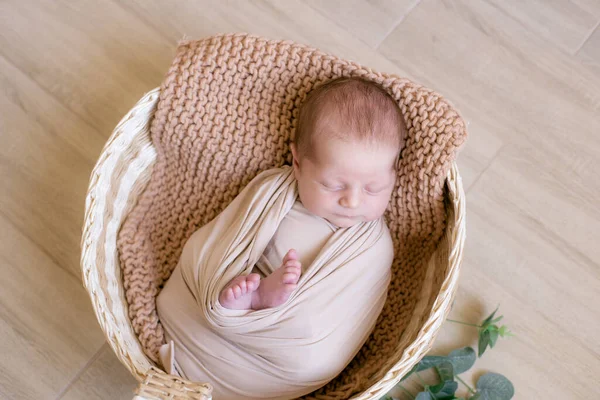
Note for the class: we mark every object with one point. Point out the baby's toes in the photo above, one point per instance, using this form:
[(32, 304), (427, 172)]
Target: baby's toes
[(253, 283), (228, 295), (237, 291), (290, 276), (292, 263), (294, 270), (243, 287), (291, 255)]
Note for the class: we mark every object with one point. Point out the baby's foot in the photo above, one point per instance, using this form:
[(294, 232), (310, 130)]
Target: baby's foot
[(237, 295), (276, 288)]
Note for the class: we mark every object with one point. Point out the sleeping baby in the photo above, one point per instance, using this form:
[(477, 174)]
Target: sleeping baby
[(274, 297)]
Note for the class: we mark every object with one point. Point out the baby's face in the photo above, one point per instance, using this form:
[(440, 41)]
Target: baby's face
[(350, 182)]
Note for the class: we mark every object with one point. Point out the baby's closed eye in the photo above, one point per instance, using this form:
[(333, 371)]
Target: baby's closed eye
[(372, 190), (376, 190), (331, 187)]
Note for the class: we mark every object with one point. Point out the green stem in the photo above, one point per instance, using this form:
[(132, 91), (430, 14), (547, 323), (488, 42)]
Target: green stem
[(463, 323), (465, 383), (406, 391)]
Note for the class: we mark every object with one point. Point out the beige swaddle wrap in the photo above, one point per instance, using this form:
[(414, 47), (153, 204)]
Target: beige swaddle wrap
[(286, 351)]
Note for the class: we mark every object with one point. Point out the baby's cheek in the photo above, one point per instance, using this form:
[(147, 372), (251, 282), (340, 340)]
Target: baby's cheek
[(382, 206), (319, 202)]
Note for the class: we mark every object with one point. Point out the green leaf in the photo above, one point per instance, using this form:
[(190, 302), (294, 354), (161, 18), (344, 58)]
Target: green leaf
[(504, 331), (424, 396), (493, 338), (492, 386), (462, 359), (436, 388), (430, 362), (484, 341), (444, 390), (425, 363), (489, 318), (448, 391), (446, 371)]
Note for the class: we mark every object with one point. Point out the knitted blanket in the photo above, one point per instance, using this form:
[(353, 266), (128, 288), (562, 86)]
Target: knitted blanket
[(227, 110)]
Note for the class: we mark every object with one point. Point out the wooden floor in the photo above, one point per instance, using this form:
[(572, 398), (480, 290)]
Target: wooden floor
[(524, 73)]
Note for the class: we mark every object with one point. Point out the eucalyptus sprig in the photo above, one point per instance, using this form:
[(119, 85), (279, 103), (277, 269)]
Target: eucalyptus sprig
[(488, 331), (490, 386)]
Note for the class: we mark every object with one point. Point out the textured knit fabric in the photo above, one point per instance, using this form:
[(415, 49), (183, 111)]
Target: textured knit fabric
[(282, 352), (227, 110)]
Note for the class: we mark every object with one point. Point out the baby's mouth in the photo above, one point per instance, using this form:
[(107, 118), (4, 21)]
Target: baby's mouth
[(345, 216)]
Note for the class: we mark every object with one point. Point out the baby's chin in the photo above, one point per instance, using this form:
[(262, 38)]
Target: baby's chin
[(343, 224)]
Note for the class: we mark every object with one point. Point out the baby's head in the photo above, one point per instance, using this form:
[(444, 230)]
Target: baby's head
[(349, 136)]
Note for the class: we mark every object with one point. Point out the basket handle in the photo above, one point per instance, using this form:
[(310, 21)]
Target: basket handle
[(159, 385)]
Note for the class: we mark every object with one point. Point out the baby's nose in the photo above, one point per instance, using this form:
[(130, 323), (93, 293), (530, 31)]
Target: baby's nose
[(350, 200)]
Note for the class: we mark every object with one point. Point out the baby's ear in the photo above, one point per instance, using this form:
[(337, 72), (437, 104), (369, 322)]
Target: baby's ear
[(295, 162)]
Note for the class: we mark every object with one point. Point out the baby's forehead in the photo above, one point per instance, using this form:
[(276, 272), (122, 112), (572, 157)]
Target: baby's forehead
[(331, 143), (339, 158)]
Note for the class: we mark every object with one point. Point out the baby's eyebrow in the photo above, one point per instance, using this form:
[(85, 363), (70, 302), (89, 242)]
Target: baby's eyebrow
[(376, 187), (381, 182)]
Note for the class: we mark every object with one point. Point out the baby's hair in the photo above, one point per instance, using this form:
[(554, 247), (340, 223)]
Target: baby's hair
[(361, 109)]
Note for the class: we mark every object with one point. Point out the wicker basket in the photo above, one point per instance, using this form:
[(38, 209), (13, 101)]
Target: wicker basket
[(118, 179)]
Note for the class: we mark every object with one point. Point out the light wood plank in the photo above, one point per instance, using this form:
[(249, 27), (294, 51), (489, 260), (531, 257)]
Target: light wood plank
[(370, 21), (272, 19), (561, 23), (482, 146), (106, 378), (94, 57), (518, 204), (590, 51), (48, 329), (46, 157)]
